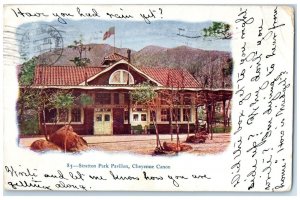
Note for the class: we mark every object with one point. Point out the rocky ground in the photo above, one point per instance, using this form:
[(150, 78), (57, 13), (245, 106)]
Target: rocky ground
[(145, 144)]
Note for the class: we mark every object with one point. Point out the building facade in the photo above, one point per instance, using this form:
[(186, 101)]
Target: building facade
[(112, 112)]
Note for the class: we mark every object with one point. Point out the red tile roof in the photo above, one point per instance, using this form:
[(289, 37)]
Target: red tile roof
[(171, 77), (114, 57), (63, 75), (71, 75)]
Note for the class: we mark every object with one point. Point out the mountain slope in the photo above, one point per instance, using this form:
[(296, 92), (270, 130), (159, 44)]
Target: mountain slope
[(205, 66)]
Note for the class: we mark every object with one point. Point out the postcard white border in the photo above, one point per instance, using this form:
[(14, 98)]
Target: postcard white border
[(173, 2)]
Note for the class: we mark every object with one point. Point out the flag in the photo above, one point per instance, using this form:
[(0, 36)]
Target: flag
[(107, 34)]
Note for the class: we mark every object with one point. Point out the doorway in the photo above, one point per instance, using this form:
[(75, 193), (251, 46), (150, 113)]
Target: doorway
[(102, 122)]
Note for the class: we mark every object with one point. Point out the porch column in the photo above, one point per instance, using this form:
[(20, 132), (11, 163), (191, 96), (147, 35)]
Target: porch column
[(224, 114), (129, 125), (212, 119), (196, 120), (207, 117)]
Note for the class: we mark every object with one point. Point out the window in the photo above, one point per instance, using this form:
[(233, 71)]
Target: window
[(187, 114), (116, 99), (126, 115), (218, 107), (106, 117), (152, 115), (143, 117), (139, 109), (126, 98), (115, 77), (63, 115), (103, 98), (76, 115), (135, 117), (99, 118), (51, 115), (187, 99), (177, 99), (164, 99), (165, 115), (176, 114), (125, 78), (121, 77)]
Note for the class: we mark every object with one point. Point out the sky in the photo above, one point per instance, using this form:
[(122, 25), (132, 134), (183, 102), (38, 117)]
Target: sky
[(128, 34)]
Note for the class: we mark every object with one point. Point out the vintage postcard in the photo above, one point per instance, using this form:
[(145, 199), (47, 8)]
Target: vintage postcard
[(148, 97)]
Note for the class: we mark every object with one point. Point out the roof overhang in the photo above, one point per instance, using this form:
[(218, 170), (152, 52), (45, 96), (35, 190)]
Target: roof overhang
[(91, 87), (117, 63)]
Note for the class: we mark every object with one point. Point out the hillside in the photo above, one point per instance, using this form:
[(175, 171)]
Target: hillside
[(206, 66)]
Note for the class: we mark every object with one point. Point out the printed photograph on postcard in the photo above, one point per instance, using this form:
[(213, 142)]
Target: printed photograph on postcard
[(148, 97)]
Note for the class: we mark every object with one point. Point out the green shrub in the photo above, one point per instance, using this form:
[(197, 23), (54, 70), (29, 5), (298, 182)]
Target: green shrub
[(138, 129), (220, 129), (30, 125)]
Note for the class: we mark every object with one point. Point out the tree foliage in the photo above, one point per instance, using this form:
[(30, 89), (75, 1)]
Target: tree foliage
[(229, 69), (218, 30), (29, 100), (80, 47), (62, 100), (26, 75), (81, 62), (145, 94), (33, 100), (85, 100)]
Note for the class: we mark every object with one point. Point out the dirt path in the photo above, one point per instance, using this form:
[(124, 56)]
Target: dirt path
[(145, 144)]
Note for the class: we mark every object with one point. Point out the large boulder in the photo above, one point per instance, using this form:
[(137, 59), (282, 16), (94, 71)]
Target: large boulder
[(194, 139), (171, 146), (44, 145), (68, 140), (198, 138), (65, 128), (185, 147)]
